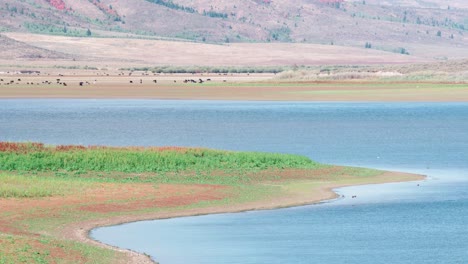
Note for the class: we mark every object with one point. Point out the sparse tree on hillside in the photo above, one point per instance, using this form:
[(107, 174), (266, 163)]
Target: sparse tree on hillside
[(403, 51), (88, 32), (439, 33)]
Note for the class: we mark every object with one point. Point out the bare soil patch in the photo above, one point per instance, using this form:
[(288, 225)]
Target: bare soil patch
[(104, 199), (224, 87), (70, 217)]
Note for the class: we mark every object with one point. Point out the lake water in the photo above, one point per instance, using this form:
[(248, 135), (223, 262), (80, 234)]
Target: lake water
[(390, 223)]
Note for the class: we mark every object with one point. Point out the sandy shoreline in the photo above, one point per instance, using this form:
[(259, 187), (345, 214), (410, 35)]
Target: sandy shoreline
[(81, 231), (238, 87)]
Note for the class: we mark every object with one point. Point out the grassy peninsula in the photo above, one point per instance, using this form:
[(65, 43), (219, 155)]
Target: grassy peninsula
[(51, 196)]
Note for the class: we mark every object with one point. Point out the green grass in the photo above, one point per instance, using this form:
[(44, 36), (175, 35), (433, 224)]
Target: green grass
[(146, 160), (45, 170), (19, 186), (34, 170), (361, 172), (41, 250)]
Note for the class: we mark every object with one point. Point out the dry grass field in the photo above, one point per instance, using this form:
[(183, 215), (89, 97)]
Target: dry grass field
[(109, 51)]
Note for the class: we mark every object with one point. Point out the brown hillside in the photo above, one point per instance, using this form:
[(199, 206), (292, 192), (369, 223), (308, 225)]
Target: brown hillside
[(431, 29), (126, 52), (12, 49)]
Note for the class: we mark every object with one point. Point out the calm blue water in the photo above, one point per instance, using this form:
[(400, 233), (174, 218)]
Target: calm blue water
[(392, 223)]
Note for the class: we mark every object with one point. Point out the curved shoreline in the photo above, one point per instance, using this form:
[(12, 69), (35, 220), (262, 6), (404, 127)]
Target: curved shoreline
[(80, 231)]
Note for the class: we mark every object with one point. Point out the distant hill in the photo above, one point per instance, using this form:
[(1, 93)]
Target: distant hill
[(12, 49), (400, 26)]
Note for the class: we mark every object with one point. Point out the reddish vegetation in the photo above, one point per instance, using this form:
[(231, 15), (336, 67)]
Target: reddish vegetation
[(102, 198), (163, 149), (173, 196), (104, 8), (20, 147), (32, 147), (106, 198), (69, 147), (59, 4), (29, 244)]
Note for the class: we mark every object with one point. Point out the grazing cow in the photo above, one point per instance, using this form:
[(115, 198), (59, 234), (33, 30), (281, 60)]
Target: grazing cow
[(64, 84), (131, 81), (141, 81), (155, 81), (81, 83)]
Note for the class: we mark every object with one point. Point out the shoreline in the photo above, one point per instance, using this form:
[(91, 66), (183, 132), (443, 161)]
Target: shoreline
[(240, 100), (81, 231), (51, 212), (255, 87)]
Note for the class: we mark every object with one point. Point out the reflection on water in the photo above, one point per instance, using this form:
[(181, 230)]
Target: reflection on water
[(394, 223)]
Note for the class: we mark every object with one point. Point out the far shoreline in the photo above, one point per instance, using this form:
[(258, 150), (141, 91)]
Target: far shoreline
[(238, 87), (255, 100)]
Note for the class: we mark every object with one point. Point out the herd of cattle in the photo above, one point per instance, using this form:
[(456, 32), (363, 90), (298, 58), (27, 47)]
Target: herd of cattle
[(18, 81), (83, 83)]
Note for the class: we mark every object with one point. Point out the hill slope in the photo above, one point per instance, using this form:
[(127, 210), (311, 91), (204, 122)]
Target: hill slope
[(433, 29), (12, 49)]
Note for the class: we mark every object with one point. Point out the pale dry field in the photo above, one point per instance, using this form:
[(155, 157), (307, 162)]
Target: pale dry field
[(107, 56), (111, 52)]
